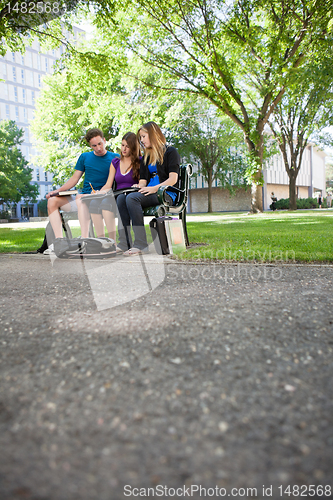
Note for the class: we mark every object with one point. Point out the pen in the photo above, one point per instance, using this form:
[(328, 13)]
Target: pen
[(93, 190)]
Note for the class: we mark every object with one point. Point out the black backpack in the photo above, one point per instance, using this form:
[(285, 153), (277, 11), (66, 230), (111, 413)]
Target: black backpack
[(78, 248)]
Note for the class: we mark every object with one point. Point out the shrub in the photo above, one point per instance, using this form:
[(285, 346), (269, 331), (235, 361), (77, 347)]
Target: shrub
[(4, 214), (42, 208), (282, 204), (301, 203), (304, 203)]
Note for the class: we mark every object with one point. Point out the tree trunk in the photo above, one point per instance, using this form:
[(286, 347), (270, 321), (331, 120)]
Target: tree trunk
[(256, 153), (210, 189), (292, 189), (256, 199), (256, 194)]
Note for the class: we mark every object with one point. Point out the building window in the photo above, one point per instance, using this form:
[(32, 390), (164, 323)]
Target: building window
[(13, 56), (38, 62), (22, 59), (5, 91), (25, 115), (22, 76), (4, 69), (46, 64), (29, 59), (37, 174), (26, 134), (15, 94), (14, 74), (39, 81), (17, 116), (33, 96), (45, 176), (23, 96), (7, 112)]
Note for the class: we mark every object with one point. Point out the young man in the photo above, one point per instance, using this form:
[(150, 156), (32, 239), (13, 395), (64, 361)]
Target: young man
[(95, 165)]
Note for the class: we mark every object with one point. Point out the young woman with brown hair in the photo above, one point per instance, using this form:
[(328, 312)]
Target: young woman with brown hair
[(125, 172)]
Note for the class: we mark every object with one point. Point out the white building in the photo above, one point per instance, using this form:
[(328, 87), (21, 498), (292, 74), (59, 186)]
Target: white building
[(310, 180), (309, 183), (22, 76)]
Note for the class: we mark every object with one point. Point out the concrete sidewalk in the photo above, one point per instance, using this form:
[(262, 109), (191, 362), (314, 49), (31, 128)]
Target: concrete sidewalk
[(75, 223), (219, 378)]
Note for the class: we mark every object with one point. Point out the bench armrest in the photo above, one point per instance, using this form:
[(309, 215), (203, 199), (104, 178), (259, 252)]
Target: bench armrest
[(161, 192)]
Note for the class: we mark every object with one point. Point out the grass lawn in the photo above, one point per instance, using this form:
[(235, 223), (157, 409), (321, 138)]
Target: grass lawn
[(303, 236), (20, 240)]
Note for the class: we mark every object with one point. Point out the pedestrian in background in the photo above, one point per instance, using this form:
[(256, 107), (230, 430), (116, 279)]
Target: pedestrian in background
[(319, 201)]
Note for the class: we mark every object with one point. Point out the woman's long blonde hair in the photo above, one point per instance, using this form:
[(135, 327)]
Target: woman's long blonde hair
[(157, 143)]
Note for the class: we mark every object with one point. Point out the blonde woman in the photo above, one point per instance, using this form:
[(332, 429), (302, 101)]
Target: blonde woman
[(159, 167)]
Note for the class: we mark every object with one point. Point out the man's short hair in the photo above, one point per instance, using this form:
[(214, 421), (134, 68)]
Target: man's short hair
[(93, 132)]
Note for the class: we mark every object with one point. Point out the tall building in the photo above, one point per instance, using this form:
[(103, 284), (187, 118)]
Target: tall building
[(22, 76)]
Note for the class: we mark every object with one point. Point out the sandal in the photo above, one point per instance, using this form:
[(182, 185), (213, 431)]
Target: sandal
[(133, 251)]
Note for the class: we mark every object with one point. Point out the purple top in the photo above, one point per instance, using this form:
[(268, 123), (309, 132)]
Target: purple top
[(123, 181)]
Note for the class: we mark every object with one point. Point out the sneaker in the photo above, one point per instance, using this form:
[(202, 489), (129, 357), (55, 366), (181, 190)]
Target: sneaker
[(50, 250)]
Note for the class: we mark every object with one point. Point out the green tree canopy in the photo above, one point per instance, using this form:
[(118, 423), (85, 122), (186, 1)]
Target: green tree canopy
[(15, 175), (241, 56), (89, 93), (304, 110), (47, 20), (201, 134)]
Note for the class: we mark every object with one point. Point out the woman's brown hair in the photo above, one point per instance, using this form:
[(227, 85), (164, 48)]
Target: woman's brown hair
[(157, 142), (133, 144)]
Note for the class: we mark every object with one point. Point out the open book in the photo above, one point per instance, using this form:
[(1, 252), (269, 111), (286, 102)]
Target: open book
[(65, 193), (96, 196)]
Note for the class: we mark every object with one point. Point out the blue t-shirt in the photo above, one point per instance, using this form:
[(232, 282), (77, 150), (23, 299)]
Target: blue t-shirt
[(154, 180), (96, 169)]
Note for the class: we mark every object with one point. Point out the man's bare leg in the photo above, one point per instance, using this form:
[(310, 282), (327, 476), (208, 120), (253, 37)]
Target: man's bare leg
[(110, 223), (98, 224), (53, 206), (84, 216)]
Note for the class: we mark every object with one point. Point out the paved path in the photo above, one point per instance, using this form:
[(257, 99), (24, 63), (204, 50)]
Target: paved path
[(221, 377), (204, 217)]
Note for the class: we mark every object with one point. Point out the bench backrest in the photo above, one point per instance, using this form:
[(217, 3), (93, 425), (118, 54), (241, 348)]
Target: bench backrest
[(185, 171)]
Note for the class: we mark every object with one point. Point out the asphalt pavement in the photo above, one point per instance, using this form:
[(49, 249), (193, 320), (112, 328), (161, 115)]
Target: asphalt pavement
[(209, 381)]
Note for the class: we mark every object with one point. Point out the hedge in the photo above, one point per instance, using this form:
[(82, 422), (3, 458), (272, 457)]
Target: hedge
[(301, 203)]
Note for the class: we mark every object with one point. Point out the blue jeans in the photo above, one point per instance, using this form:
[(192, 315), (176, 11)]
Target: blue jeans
[(130, 209)]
